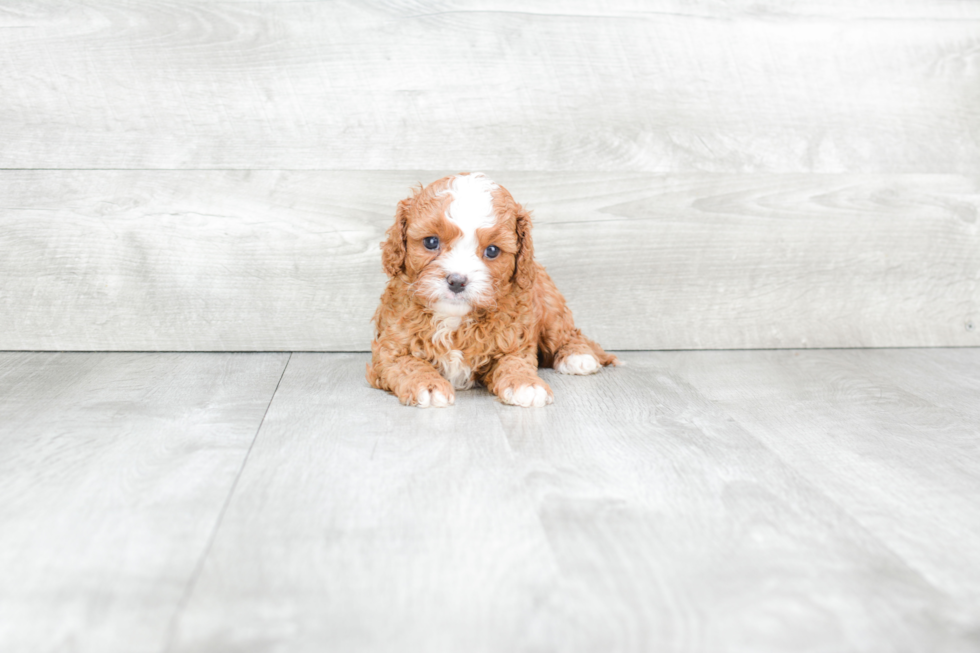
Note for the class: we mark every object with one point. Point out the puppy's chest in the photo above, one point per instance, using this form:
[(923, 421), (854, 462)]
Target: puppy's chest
[(448, 357)]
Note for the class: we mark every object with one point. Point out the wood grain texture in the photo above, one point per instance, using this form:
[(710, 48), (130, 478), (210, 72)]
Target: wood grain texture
[(677, 529), (359, 525), (691, 501), (289, 260), (113, 471), (663, 86), (633, 515), (889, 436)]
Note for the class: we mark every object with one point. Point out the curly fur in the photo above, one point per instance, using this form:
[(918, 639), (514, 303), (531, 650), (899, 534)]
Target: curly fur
[(420, 353)]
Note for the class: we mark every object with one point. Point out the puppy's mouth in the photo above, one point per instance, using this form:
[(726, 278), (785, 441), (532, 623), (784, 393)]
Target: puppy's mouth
[(452, 305), (455, 298)]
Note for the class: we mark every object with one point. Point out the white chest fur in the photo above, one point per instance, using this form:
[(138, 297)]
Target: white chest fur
[(455, 370), (451, 364)]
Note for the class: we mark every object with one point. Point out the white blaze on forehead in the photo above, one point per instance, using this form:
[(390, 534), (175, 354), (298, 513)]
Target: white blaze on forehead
[(472, 206)]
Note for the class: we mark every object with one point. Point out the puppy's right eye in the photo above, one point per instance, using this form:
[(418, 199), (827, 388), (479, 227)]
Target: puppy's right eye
[(431, 242)]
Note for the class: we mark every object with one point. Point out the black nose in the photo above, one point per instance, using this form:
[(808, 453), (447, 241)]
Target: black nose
[(456, 282)]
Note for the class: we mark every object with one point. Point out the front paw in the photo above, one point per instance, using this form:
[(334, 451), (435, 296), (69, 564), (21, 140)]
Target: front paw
[(581, 364), (437, 393), (535, 394)]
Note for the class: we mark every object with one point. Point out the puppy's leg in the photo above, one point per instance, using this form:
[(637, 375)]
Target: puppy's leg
[(562, 345), (415, 382), (515, 380)]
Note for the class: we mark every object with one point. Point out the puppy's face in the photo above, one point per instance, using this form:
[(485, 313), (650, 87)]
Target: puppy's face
[(460, 243)]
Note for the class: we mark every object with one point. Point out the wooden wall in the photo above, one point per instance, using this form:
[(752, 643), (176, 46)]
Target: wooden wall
[(217, 175)]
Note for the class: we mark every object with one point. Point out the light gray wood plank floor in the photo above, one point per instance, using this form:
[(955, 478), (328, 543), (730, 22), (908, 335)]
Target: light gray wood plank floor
[(822, 500), (114, 469)]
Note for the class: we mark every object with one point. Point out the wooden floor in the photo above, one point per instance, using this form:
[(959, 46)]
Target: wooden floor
[(810, 500)]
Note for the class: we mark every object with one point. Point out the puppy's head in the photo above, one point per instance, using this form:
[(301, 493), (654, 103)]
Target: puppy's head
[(461, 242)]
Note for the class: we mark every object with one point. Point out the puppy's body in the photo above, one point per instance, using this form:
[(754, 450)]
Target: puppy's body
[(474, 308)]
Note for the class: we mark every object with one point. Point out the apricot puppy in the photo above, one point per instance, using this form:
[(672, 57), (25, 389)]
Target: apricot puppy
[(466, 302)]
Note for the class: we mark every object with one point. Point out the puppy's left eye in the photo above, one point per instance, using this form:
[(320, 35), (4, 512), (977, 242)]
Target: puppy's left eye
[(492, 252), (431, 242)]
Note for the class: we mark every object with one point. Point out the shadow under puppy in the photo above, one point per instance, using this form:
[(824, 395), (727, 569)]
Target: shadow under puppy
[(467, 302)]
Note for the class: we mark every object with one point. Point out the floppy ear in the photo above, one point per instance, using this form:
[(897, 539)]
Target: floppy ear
[(524, 265), (393, 249)]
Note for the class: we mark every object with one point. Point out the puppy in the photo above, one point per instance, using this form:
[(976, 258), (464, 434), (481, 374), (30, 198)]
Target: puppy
[(466, 302)]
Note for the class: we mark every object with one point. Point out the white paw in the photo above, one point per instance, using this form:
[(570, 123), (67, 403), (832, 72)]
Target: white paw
[(578, 364), (435, 399), (527, 396)]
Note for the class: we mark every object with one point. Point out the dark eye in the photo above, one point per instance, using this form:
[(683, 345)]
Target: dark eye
[(492, 252), (431, 242)]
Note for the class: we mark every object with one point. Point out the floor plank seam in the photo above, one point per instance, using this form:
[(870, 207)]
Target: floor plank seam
[(195, 575)]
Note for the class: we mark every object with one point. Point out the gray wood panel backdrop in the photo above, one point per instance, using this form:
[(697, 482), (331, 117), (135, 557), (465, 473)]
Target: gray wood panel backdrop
[(194, 175)]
